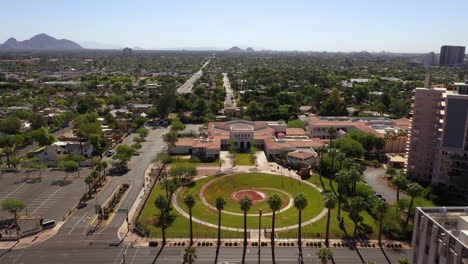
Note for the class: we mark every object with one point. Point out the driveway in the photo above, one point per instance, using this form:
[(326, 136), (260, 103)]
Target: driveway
[(372, 175)]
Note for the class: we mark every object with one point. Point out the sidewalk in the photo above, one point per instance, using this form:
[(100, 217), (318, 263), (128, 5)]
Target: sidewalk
[(31, 240)]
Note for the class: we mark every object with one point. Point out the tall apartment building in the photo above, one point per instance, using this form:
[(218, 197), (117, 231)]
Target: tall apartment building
[(440, 235), (438, 144), (452, 55), (429, 59)]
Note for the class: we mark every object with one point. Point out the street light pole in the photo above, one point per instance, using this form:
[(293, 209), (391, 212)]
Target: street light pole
[(259, 233)]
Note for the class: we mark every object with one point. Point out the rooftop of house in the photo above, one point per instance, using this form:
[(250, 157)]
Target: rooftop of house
[(302, 155)]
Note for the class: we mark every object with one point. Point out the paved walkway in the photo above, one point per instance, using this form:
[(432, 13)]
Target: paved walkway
[(285, 228), (229, 101), (372, 177), (202, 196)]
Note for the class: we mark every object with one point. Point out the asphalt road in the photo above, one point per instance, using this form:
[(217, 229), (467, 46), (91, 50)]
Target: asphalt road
[(229, 101), (188, 85), (371, 176), (169, 255)]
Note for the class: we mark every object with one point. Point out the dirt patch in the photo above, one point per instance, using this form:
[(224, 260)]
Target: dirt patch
[(255, 195)]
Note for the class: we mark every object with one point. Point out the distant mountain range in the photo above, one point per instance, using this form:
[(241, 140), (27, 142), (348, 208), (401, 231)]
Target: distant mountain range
[(237, 49), (40, 42)]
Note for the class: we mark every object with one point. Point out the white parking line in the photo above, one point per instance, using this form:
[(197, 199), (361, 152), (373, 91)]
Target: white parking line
[(17, 188), (46, 200)]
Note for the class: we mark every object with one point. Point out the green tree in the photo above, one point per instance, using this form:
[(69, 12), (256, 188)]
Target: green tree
[(324, 254), (253, 110), (245, 205), (184, 171), (333, 105), (330, 202), (170, 139), (220, 203), (10, 125), (37, 121), (349, 146), (300, 202), (274, 201), (400, 182), (413, 190), (69, 166), (382, 208), (357, 205), (296, 123), (332, 134), (14, 206), (190, 202), (43, 137), (162, 203), (124, 154), (190, 254), (177, 126), (143, 132)]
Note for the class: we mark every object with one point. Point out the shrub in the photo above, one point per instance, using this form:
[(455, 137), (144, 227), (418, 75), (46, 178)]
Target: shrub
[(226, 244), (319, 244), (183, 244), (199, 244), (334, 244), (373, 245), (153, 243)]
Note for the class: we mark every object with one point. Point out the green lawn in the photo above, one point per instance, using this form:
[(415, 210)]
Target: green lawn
[(180, 227), (244, 159), (252, 180), (181, 159)]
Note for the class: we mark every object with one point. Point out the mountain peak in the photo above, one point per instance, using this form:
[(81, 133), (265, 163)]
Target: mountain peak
[(235, 49), (41, 41)]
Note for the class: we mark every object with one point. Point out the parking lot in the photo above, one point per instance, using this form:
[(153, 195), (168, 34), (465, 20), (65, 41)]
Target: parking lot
[(50, 198)]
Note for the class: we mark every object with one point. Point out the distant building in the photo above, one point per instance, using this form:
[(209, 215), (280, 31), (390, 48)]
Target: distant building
[(438, 147), (429, 59), (440, 235), (389, 129), (127, 52), (452, 55)]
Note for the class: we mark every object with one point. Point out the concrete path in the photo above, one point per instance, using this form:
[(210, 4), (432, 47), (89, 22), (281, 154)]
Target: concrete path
[(229, 101), (285, 228), (372, 177)]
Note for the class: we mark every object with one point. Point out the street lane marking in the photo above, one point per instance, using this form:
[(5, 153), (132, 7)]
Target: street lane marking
[(76, 224)]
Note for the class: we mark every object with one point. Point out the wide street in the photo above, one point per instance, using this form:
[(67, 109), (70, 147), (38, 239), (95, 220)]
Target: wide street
[(188, 85), (102, 253)]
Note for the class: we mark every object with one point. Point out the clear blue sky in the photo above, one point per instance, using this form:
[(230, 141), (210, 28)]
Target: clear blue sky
[(332, 25)]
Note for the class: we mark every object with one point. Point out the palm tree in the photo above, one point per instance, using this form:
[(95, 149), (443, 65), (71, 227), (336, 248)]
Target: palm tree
[(382, 207), (330, 202), (190, 201), (342, 178), (220, 203), (300, 202), (321, 151), (14, 206), (190, 254), (400, 183), (274, 201), (331, 134), (324, 254), (414, 190), (357, 205), (354, 176), (245, 205), (88, 180), (340, 157), (162, 203)]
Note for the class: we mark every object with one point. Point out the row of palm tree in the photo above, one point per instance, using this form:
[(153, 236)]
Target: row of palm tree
[(97, 176)]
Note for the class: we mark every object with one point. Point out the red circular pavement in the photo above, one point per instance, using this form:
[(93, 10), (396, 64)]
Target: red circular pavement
[(255, 195)]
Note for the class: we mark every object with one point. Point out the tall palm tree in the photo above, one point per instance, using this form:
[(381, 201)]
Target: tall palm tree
[(190, 202), (355, 176), (357, 205), (300, 202), (413, 190), (331, 134), (340, 157), (274, 201), (321, 151), (324, 254), (342, 178), (245, 205), (330, 202), (220, 203), (382, 207), (400, 182), (162, 203), (190, 254)]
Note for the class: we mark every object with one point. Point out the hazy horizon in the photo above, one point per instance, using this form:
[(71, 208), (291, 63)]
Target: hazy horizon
[(345, 26)]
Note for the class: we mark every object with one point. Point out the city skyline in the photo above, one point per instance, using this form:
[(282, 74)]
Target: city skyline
[(374, 27)]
